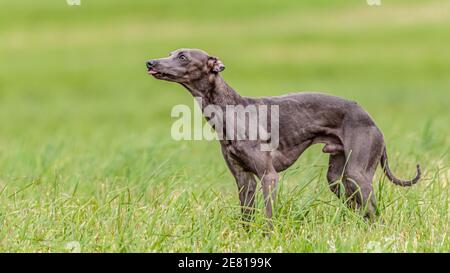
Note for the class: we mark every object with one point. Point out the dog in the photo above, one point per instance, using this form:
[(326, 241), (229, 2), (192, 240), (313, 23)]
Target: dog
[(355, 144)]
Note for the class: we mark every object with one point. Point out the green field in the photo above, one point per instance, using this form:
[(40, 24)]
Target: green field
[(87, 162)]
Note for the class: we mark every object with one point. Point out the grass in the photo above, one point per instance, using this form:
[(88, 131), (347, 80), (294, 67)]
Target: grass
[(87, 162)]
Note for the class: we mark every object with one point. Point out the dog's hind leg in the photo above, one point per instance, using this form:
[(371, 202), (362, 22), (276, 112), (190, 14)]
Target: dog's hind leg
[(354, 189), (335, 172), (359, 192), (363, 150)]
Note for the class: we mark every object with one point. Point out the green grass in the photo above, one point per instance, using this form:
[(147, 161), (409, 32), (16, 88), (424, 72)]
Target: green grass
[(86, 158)]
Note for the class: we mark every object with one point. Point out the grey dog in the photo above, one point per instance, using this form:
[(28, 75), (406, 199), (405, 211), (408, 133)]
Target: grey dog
[(352, 139)]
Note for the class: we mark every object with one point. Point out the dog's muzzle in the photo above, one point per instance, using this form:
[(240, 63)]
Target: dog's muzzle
[(151, 67)]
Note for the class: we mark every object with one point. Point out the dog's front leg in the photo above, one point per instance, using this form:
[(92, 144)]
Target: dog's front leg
[(269, 184), (269, 181), (246, 184)]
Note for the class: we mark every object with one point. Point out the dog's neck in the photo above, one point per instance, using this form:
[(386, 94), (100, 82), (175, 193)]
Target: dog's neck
[(213, 90)]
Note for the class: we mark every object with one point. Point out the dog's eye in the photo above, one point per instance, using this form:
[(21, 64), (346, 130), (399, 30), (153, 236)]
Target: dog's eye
[(182, 57)]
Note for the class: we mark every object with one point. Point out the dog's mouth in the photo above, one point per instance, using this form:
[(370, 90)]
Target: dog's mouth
[(157, 74), (152, 71)]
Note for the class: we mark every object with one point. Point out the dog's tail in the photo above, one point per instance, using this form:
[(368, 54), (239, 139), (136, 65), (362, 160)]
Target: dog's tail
[(392, 178)]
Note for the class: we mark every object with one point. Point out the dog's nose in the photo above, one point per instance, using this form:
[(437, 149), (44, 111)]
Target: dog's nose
[(151, 64)]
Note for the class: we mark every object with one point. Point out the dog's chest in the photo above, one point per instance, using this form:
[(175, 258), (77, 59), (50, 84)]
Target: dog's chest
[(247, 153)]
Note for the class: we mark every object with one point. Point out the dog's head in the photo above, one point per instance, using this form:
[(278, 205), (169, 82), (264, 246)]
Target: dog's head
[(185, 66)]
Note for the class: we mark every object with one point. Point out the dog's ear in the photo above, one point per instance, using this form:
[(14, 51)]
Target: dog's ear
[(215, 65)]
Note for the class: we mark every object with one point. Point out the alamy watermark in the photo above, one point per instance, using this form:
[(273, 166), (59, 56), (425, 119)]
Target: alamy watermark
[(374, 2), (73, 2), (78, 2), (258, 123)]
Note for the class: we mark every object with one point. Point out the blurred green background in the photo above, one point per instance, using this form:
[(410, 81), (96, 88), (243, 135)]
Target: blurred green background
[(77, 106)]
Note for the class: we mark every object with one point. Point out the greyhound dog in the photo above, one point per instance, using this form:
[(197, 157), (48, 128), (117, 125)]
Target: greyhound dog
[(352, 139)]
